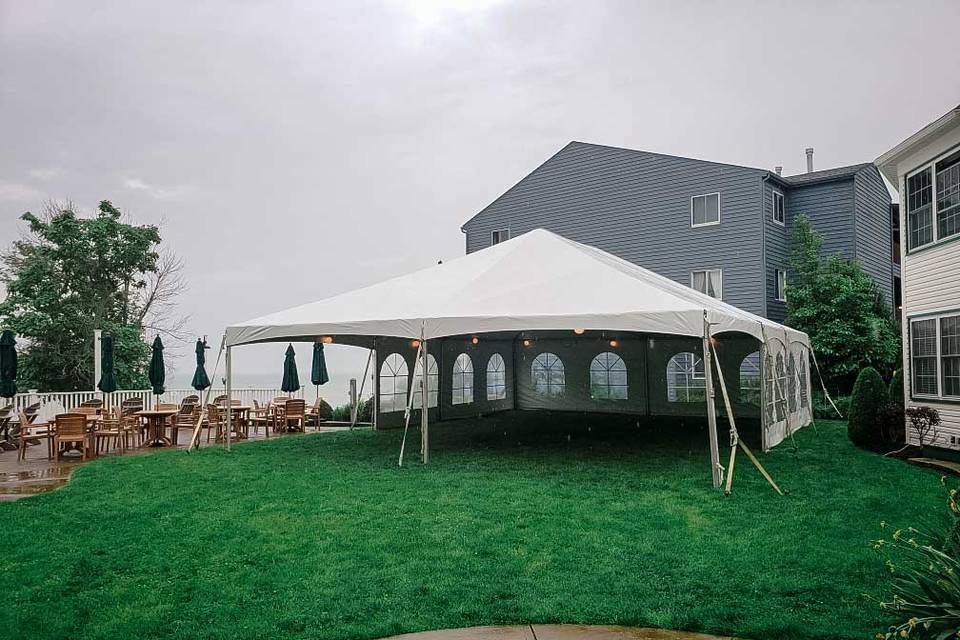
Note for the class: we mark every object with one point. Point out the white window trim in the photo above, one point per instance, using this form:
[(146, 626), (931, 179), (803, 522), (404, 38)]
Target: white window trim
[(939, 357), (783, 222), (932, 166), (708, 271), (781, 295), (719, 210), (504, 233)]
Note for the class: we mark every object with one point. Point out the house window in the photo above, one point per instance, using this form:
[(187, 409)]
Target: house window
[(393, 383), (709, 282), (923, 356), (496, 378), (433, 383), (778, 215), (547, 374), (462, 383), (950, 355), (780, 285), (686, 381), (498, 236), (608, 377), (933, 202), (705, 210)]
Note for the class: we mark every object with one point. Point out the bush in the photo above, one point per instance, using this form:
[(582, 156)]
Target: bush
[(869, 398), (923, 424), (823, 410), (892, 417), (364, 412), (926, 579)]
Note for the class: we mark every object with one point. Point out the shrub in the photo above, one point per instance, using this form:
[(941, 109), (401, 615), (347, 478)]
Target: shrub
[(924, 422), (896, 388), (892, 418), (864, 426), (925, 590), (364, 412)]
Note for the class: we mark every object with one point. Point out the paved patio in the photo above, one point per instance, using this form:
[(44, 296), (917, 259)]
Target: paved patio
[(556, 632), (37, 474)]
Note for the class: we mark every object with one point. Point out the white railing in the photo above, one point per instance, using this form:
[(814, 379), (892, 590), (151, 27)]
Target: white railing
[(72, 399)]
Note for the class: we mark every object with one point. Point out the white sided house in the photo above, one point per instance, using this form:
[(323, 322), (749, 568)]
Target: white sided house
[(926, 170)]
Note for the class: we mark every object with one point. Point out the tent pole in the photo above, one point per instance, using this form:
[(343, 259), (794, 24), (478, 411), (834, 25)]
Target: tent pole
[(363, 381), (406, 413), (195, 440), (424, 404), (375, 383), (229, 371), (715, 469)]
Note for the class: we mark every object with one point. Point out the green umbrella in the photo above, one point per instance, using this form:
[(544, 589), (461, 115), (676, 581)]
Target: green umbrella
[(200, 379), (156, 373), (108, 380), (8, 365), (291, 381), (319, 375)]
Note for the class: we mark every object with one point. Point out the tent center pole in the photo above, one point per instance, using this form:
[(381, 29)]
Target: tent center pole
[(715, 469)]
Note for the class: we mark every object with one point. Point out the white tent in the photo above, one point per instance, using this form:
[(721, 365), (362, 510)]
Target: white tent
[(542, 282)]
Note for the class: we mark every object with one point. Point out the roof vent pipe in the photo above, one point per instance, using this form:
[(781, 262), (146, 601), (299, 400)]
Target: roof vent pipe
[(779, 170), (809, 159)]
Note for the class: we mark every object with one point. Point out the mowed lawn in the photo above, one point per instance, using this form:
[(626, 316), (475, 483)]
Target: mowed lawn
[(323, 536)]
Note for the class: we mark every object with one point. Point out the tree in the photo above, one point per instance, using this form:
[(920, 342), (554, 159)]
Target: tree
[(867, 402), (840, 307), (71, 275)]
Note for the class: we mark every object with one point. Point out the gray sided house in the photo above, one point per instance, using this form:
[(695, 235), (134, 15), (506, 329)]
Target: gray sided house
[(721, 228)]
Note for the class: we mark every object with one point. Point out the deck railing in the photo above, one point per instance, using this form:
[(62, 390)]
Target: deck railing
[(72, 399)]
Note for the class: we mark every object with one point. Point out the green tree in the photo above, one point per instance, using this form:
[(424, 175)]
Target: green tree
[(840, 307), (869, 398), (71, 275)]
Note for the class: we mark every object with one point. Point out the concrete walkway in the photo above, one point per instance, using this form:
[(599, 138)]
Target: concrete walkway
[(556, 632)]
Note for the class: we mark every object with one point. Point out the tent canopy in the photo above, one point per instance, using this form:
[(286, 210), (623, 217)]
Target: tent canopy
[(536, 281)]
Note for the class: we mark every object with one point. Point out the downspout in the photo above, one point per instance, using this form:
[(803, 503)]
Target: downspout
[(763, 243)]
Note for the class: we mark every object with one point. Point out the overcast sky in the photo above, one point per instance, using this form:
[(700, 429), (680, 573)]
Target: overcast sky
[(296, 150)]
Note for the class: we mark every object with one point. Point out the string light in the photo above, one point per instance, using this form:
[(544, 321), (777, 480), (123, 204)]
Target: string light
[(326, 339), (579, 332), (474, 339), (526, 343), (614, 344), (415, 344)]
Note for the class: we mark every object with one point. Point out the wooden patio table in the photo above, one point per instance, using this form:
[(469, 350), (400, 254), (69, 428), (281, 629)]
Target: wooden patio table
[(238, 420), (156, 426)]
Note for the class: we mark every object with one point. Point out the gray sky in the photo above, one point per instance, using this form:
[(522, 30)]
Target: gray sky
[(296, 150)]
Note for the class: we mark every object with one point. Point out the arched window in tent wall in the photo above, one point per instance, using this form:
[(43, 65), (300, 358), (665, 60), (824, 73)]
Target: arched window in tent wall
[(776, 402), (462, 383), (496, 378), (686, 381), (792, 387), (750, 379), (802, 375), (547, 374), (433, 383), (393, 383), (608, 377)]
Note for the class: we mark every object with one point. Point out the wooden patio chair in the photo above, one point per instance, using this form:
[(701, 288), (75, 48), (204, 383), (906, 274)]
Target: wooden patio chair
[(131, 429), (109, 430), (260, 415), (216, 421), (219, 400), (32, 410), (72, 427), (295, 414), (278, 409), (186, 419), (33, 434), (96, 403), (313, 418)]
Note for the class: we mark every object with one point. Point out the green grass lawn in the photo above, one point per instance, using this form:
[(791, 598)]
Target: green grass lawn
[(323, 536)]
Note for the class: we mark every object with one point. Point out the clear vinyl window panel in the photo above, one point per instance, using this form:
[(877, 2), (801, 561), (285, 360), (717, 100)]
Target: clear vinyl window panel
[(546, 371), (608, 377), (775, 407), (923, 356), (433, 383), (393, 383), (461, 385), (705, 209), (750, 379), (686, 380), (496, 378), (709, 281)]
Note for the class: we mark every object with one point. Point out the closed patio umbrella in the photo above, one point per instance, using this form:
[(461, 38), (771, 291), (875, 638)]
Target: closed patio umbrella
[(200, 379), (157, 375), (108, 379), (8, 365), (318, 373), (291, 380)]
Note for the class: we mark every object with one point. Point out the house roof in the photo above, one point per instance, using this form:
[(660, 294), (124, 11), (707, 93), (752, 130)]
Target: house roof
[(887, 163), (535, 281), (826, 175)]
